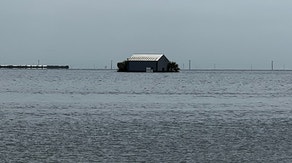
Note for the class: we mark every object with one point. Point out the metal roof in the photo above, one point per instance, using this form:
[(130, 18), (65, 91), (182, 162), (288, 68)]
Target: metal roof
[(145, 57)]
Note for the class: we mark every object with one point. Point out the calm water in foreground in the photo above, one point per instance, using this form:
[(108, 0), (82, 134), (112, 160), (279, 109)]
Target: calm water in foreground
[(105, 116)]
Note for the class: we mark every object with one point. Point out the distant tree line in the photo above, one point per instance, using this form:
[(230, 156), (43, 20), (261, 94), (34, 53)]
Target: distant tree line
[(173, 67), (123, 66)]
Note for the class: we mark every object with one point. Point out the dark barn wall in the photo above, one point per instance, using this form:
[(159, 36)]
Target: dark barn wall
[(162, 64), (140, 66)]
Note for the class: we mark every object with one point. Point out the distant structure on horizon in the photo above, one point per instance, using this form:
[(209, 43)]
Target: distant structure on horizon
[(147, 62), (33, 67)]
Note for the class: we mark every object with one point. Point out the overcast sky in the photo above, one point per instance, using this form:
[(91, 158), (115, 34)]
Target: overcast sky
[(91, 33)]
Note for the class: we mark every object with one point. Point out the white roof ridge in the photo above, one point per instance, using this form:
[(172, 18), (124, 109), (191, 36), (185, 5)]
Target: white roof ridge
[(146, 57)]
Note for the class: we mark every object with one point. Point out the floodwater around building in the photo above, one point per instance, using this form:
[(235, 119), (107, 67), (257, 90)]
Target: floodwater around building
[(106, 116)]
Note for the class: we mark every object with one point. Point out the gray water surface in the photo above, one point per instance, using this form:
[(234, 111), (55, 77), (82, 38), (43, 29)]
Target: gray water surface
[(105, 116)]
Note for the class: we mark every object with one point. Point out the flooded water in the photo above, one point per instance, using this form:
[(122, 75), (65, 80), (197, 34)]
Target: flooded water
[(106, 116)]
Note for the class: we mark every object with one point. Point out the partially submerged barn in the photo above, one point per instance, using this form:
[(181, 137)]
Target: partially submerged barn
[(146, 62)]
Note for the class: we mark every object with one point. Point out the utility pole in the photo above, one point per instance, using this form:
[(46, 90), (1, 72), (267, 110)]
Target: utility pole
[(272, 65), (189, 64)]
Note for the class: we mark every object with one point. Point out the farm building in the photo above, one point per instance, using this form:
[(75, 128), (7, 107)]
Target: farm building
[(147, 62), (140, 62)]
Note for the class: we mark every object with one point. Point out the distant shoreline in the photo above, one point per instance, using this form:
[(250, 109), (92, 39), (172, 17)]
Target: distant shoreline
[(185, 70), (39, 67), (234, 70), (34, 67)]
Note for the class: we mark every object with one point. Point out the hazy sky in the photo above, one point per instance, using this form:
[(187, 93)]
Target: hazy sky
[(91, 33)]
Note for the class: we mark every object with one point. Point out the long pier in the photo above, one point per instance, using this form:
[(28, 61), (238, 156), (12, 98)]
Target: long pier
[(33, 67)]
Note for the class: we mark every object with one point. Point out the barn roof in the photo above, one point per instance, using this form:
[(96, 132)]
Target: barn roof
[(145, 57)]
